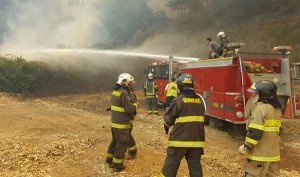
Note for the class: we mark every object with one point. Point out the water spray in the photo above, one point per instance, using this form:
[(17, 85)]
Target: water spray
[(115, 53)]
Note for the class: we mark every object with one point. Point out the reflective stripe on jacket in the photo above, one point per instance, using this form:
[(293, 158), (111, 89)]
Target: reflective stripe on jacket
[(121, 109), (150, 89), (187, 117), (263, 133)]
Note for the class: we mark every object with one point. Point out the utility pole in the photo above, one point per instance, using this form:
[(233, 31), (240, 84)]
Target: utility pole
[(170, 67)]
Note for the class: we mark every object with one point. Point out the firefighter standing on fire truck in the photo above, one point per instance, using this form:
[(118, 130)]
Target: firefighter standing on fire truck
[(261, 147), (151, 92), (227, 51), (121, 109), (187, 137)]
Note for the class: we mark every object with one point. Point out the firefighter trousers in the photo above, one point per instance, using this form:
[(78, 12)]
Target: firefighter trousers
[(169, 99), (174, 157), (152, 105), (132, 150), (261, 169), (118, 146)]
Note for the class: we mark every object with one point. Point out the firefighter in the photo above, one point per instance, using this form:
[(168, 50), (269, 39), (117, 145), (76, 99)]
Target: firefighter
[(170, 92), (187, 137), (151, 92), (121, 109), (262, 144), (131, 149), (251, 104), (227, 51), (214, 50)]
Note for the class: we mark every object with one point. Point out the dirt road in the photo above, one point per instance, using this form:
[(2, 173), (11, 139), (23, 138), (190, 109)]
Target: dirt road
[(67, 136)]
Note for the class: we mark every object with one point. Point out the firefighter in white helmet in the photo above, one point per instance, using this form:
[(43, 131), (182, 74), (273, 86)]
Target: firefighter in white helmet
[(151, 92), (121, 110), (187, 137), (262, 144), (227, 51)]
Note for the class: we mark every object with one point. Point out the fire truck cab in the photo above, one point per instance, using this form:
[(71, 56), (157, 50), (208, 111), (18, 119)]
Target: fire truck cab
[(163, 72)]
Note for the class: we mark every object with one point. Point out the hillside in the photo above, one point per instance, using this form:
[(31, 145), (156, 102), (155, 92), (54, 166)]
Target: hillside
[(68, 135)]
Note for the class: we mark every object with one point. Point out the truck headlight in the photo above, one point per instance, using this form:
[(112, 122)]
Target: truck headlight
[(239, 114)]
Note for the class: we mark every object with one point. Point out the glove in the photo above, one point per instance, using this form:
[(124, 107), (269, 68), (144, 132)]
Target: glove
[(108, 109), (243, 149), (137, 105), (166, 129)]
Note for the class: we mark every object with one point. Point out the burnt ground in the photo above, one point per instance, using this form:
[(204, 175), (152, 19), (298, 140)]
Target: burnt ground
[(68, 135)]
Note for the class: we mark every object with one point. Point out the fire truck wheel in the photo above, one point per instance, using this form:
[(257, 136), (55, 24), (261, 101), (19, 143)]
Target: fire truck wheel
[(215, 123), (206, 120)]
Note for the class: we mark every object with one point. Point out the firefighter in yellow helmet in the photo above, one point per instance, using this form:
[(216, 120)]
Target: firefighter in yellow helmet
[(151, 92), (187, 137), (262, 144), (121, 110)]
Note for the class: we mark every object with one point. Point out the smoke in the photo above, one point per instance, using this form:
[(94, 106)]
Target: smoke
[(37, 24), (175, 44), (45, 24), (30, 27)]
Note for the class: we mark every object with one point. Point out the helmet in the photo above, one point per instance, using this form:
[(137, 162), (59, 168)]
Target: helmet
[(185, 82), (221, 34), (252, 89), (266, 89), (150, 76), (125, 79)]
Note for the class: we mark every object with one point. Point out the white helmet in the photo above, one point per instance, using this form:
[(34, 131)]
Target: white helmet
[(221, 34), (150, 76), (125, 79)]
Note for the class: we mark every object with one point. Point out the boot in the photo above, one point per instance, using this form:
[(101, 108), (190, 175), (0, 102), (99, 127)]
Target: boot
[(118, 169)]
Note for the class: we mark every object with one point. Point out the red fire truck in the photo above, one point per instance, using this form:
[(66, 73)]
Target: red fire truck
[(223, 82)]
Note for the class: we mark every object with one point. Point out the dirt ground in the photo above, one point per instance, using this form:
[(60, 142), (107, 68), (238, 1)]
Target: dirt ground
[(67, 136)]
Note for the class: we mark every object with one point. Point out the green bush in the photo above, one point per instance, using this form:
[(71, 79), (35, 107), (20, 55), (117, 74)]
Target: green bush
[(20, 76), (17, 75)]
